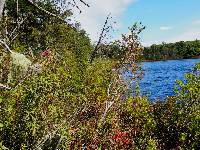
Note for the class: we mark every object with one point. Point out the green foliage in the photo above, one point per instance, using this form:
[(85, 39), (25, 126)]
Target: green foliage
[(188, 109), (84, 103), (136, 118), (97, 79), (31, 24), (178, 50), (178, 118)]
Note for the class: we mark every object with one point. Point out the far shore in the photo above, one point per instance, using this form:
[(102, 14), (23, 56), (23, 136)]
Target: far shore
[(170, 59)]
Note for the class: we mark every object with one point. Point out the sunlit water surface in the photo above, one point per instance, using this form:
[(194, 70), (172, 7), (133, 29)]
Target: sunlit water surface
[(160, 76)]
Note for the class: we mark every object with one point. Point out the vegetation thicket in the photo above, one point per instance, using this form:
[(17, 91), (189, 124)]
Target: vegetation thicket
[(52, 96)]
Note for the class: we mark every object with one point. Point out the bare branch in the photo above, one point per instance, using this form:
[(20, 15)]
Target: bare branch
[(77, 6), (6, 47), (14, 38), (2, 4), (104, 31), (45, 11), (18, 26), (108, 105), (74, 4), (17, 10), (2, 86), (84, 3)]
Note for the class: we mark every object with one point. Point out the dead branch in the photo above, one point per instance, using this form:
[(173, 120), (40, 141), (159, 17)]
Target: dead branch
[(76, 6), (18, 26), (5, 46), (45, 11), (108, 106), (54, 15), (86, 4), (105, 30), (2, 86), (2, 4)]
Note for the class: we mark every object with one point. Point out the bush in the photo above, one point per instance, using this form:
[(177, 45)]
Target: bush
[(177, 119), (74, 104)]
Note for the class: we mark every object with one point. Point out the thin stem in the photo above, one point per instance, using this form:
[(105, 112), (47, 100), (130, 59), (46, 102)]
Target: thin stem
[(6, 46)]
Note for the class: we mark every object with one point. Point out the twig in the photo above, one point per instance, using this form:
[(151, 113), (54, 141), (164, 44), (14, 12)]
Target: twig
[(6, 46), (17, 10), (49, 135), (84, 3), (76, 6), (108, 91), (2, 5), (102, 35), (45, 11), (14, 37), (19, 24), (2, 86), (103, 119)]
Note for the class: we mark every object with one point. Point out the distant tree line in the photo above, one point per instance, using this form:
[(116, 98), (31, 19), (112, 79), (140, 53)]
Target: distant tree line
[(178, 50), (164, 51)]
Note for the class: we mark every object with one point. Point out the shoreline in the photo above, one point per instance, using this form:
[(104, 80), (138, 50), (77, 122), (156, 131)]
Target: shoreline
[(170, 59)]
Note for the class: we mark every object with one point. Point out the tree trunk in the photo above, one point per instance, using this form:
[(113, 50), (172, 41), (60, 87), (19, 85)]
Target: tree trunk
[(2, 3)]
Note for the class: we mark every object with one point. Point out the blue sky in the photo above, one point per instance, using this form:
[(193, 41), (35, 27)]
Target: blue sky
[(166, 20)]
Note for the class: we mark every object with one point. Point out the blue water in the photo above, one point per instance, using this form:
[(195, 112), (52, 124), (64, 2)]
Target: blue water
[(160, 76)]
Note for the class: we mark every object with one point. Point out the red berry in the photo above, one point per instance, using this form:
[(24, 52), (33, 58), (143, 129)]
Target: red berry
[(45, 53)]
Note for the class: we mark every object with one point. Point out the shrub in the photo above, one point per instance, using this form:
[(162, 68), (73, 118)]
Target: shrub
[(177, 119)]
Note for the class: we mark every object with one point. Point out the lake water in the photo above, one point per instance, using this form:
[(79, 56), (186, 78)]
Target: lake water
[(160, 76)]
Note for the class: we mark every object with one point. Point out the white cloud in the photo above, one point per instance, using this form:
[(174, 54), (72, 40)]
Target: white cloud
[(196, 22), (93, 18), (149, 43), (166, 28), (190, 34)]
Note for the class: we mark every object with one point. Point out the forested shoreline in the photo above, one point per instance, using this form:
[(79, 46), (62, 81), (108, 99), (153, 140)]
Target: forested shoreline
[(164, 51), (167, 51), (60, 91)]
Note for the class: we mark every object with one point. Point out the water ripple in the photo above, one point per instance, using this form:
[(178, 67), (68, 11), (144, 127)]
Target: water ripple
[(160, 76)]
